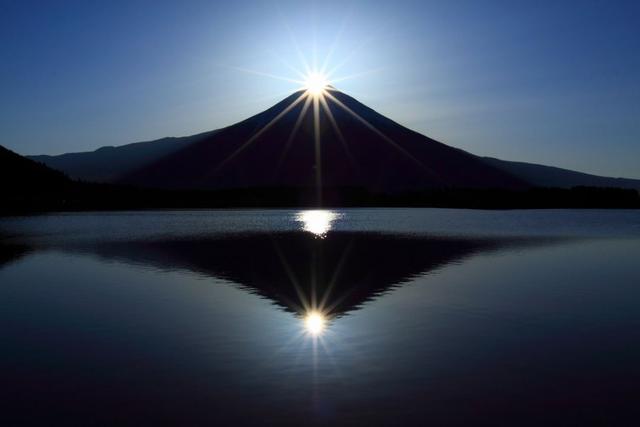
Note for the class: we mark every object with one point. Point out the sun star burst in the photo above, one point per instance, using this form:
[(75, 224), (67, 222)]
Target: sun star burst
[(315, 83)]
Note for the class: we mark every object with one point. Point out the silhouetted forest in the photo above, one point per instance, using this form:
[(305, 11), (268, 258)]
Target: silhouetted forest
[(29, 186), (80, 196)]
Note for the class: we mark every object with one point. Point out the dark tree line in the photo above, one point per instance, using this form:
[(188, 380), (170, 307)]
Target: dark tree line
[(28, 186)]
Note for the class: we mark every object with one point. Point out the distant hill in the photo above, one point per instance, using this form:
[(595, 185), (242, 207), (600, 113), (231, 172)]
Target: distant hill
[(19, 175), (108, 164), (549, 176)]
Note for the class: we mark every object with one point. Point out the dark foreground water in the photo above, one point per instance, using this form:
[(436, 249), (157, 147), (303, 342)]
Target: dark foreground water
[(347, 317)]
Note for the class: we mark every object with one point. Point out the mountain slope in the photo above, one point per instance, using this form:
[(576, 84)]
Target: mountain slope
[(369, 151), (19, 175), (550, 176), (108, 164)]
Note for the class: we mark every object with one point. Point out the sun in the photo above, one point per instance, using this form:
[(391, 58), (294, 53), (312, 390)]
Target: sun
[(314, 323), (315, 83)]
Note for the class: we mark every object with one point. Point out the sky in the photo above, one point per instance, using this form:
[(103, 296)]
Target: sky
[(552, 82)]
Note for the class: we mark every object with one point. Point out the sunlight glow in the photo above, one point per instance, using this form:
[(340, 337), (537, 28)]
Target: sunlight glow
[(314, 323), (315, 83), (321, 97), (317, 222)]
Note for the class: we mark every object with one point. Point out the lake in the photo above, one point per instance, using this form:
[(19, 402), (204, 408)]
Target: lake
[(327, 317)]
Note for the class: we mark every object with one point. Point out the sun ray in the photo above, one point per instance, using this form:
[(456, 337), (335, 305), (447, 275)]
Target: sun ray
[(335, 276), (316, 84), (336, 128), (261, 131), (292, 135), (336, 302), (313, 280), (332, 359), (295, 44), (349, 56), (318, 152), (314, 50), (376, 131), (261, 101), (306, 305), (285, 346), (293, 69), (273, 76), (335, 43), (356, 75)]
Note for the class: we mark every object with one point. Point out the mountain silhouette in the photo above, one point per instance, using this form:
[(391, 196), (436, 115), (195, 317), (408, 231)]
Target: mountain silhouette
[(21, 176), (279, 148), (334, 142), (362, 150), (550, 176), (108, 164)]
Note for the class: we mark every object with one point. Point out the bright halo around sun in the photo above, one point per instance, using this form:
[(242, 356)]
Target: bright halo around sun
[(314, 323), (315, 83)]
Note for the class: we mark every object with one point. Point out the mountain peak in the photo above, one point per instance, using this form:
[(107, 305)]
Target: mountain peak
[(308, 141), (329, 140)]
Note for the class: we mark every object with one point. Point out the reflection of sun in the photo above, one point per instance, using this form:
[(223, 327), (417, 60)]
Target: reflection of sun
[(314, 323), (317, 222), (315, 83)]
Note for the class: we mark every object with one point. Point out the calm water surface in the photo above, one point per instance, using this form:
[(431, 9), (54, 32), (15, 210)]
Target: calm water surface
[(343, 317)]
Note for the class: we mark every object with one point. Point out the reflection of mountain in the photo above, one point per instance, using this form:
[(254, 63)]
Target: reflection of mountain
[(349, 268), (12, 252)]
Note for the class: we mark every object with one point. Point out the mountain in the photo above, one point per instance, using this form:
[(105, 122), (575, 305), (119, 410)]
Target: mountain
[(19, 175), (108, 164), (358, 148), (549, 176)]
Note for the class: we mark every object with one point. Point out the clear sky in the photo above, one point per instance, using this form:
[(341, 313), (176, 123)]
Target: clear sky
[(554, 82)]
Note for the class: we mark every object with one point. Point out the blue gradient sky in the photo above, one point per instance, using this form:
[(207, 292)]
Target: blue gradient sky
[(554, 82)]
